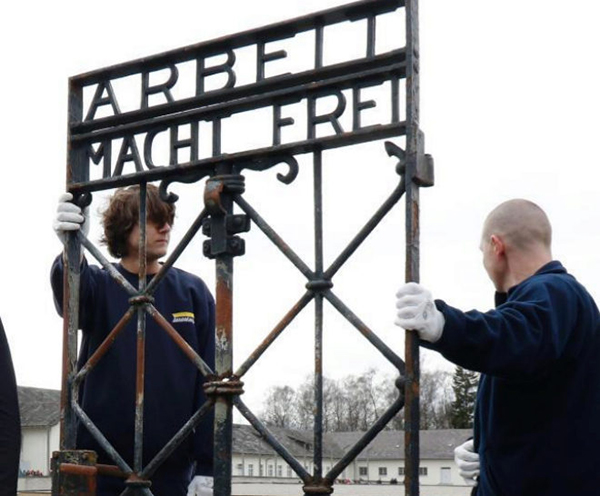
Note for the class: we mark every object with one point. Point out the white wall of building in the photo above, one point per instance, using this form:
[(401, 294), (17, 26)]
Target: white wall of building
[(433, 472), (37, 445)]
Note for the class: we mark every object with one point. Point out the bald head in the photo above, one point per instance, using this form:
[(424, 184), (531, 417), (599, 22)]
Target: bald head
[(521, 224)]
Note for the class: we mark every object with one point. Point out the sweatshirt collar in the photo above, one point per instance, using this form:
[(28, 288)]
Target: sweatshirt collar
[(553, 267)]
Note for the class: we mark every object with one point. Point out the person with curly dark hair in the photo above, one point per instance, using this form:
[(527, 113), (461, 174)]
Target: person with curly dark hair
[(173, 384)]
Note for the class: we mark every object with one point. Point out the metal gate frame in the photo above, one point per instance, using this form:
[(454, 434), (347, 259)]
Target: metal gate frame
[(224, 188)]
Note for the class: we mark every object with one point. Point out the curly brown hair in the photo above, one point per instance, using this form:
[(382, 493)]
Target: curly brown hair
[(122, 215)]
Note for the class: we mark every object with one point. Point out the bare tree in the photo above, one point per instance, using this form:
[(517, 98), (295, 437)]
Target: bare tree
[(280, 408), (355, 402)]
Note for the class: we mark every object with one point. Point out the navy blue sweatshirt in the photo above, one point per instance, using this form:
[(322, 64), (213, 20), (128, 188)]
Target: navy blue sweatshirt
[(173, 385), (537, 419), (10, 423)]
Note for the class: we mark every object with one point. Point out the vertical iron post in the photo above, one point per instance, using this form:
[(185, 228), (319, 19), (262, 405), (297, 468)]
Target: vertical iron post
[(76, 171), (141, 337), (318, 385), (219, 202), (411, 413)]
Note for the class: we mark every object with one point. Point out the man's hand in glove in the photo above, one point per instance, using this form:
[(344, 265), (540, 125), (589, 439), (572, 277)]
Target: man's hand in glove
[(416, 311)]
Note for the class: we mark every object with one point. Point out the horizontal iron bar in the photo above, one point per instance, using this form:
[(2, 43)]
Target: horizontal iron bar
[(242, 99), (207, 165), (271, 440), (365, 331), (272, 32)]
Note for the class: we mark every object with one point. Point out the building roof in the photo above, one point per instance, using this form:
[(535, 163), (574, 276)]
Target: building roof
[(388, 445), (436, 444), (39, 407)]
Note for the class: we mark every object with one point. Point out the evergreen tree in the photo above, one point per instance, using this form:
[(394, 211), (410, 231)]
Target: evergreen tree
[(464, 385)]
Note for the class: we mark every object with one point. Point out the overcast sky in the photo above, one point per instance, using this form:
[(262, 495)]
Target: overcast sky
[(509, 108)]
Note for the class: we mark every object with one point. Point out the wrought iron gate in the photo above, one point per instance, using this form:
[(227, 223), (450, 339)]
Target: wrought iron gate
[(91, 141)]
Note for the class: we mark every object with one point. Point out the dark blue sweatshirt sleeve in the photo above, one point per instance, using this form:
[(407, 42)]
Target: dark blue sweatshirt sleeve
[(10, 424), (519, 340), (203, 437)]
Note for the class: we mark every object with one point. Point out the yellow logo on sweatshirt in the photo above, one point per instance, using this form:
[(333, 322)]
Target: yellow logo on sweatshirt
[(184, 317)]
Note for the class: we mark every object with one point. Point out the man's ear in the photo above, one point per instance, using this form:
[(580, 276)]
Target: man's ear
[(497, 245)]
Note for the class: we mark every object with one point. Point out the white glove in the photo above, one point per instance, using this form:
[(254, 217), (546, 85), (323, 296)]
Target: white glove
[(201, 485), (69, 217), (467, 461), (417, 312)]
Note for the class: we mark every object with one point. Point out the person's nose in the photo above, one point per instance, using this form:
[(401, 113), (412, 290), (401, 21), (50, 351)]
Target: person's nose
[(165, 228)]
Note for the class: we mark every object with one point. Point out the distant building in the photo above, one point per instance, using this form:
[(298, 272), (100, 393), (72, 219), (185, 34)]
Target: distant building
[(40, 423), (381, 461)]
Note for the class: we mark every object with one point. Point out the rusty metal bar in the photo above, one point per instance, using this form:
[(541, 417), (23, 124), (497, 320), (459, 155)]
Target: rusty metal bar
[(106, 265), (100, 438), (72, 255), (413, 146), (279, 328), (218, 200), (366, 230), (182, 245), (176, 440), (368, 436), (365, 331), (318, 383), (103, 348), (74, 472), (141, 337), (179, 341), (274, 237), (272, 440)]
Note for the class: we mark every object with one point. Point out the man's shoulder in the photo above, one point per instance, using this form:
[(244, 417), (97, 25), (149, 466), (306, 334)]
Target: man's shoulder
[(554, 282)]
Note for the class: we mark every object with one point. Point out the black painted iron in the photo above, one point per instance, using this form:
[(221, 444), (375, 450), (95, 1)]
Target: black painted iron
[(124, 140)]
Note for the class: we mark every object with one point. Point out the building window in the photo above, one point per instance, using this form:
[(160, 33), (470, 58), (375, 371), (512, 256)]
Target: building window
[(363, 471), (383, 471), (400, 470), (446, 475), (422, 470), (240, 468), (270, 470), (251, 470), (279, 471), (289, 471)]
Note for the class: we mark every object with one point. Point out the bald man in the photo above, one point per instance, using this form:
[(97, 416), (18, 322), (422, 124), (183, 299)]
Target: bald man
[(537, 417)]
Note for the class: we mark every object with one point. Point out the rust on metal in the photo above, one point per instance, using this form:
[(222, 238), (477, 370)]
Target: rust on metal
[(91, 139), (112, 471)]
